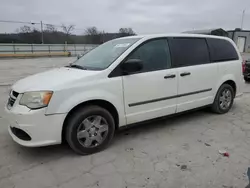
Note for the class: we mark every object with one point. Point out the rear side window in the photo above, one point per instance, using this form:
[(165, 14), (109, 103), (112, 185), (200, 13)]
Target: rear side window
[(221, 50), (189, 51)]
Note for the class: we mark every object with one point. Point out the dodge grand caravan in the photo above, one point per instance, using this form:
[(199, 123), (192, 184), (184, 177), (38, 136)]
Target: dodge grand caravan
[(121, 82)]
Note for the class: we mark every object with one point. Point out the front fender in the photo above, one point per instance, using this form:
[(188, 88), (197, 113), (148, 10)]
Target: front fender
[(65, 104)]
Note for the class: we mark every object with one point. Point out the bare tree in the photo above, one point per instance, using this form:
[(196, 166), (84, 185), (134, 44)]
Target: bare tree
[(92, 31), (126, 32), (25, 29), (93, 35), (50, 28), (67, 29)]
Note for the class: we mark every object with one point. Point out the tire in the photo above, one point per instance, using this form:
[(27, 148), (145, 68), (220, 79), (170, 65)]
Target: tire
[(216, 106), (247, 79), (77, 123)]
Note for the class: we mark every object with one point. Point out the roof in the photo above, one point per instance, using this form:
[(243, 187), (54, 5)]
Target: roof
[(202, 31), (142, 38), (173, 35), (214, 31)]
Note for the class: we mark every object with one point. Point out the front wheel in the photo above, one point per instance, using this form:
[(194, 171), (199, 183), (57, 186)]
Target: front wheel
[(90, 129), (223, 100)]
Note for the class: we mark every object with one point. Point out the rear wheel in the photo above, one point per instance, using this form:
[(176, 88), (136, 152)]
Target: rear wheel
[(90, 129), (224, 99)]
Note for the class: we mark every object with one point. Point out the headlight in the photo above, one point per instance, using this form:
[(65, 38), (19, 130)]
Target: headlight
[(36, 99)]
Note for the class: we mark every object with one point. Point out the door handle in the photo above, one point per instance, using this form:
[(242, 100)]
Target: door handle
[(185, 73), (169, 76)]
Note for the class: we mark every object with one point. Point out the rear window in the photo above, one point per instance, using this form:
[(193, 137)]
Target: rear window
[(189, 51), (221, 50)]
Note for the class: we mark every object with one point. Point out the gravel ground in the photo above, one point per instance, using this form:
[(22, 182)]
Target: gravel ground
[(170, 153)]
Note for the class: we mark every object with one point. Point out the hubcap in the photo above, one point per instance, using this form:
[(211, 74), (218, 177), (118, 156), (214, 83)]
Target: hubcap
[(92, 131), (225, 99)]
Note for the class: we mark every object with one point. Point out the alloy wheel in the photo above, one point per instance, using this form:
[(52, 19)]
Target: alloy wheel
[(92, 131), (225, 99)]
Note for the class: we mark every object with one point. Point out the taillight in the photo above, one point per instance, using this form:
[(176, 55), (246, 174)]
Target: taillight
[(243, 66)]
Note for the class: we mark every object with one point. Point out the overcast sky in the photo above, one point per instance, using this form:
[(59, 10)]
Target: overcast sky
[(144, 16)]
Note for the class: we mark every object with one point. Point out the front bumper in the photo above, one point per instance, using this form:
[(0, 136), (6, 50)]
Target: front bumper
[(43, 129)]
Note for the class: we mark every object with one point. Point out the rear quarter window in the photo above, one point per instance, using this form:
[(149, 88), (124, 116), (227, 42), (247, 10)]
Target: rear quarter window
[(189, 51), (221, 50)]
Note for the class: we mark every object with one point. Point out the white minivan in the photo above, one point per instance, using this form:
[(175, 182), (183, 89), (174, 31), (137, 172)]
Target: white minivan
[(122, 82)]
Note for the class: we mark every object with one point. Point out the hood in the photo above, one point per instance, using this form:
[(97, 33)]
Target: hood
[(52, 79)]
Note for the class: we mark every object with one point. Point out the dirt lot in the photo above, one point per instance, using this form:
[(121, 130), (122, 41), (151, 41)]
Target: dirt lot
[(171, 153)]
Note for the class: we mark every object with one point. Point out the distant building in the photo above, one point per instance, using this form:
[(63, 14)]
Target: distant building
[(241, 38), (216, 31)]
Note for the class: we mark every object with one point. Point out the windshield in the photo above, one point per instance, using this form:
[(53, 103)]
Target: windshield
[(104, 55)]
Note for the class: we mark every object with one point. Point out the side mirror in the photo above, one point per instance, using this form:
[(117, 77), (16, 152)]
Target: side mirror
[(132, 66)]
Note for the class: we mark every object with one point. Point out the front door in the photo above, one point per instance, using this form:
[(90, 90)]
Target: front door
[(150, 93), (197, 77)]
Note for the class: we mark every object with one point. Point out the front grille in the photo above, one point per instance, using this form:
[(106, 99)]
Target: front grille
[(12, 98)]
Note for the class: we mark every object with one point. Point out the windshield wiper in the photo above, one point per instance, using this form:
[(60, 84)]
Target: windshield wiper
[(76, 66)]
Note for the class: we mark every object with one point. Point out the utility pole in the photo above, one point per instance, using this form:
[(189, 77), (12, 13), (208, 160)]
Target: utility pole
[(242, 19), (42, 31)]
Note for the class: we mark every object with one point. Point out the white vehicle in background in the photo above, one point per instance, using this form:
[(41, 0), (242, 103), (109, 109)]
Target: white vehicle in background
[(122, 82)]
